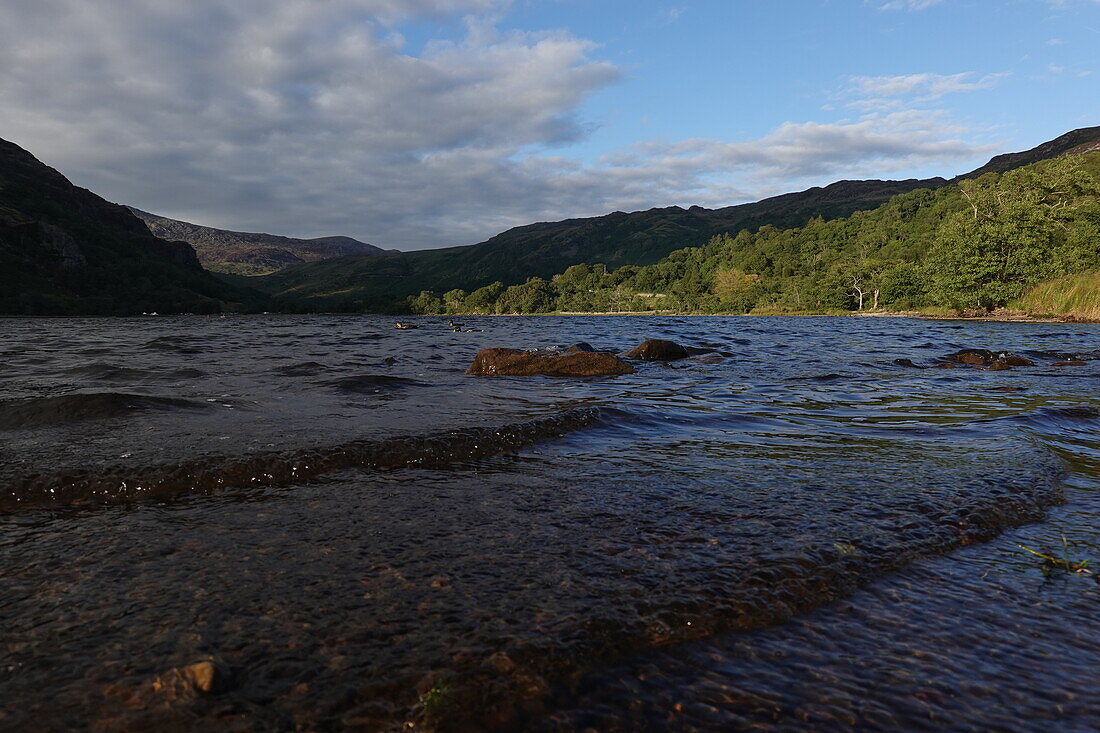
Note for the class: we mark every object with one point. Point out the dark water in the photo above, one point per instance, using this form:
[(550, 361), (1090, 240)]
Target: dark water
[(799, 533)]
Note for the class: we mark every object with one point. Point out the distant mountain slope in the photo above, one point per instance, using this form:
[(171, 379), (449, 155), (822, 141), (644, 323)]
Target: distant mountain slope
[(1077, 142), (247, 253), (638, 238), (543, 249), (64, 250)]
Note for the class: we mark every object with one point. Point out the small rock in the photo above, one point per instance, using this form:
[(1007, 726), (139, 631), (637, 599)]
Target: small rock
[(583, 346), (501, 662), (1069, 363), (207, 676), (658, 350)]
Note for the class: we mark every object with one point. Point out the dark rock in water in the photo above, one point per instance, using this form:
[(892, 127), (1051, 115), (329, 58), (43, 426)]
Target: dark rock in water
[(658, 350), (977, 357), (516, 363), (907, 363), (996, 361), (583, 346), (1069, 363), (73, 407)]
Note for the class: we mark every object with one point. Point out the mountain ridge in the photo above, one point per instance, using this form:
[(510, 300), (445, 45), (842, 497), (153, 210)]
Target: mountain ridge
[(543, 249), (251, 253)]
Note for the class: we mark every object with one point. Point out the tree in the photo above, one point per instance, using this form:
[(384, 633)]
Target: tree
[(426, 303)]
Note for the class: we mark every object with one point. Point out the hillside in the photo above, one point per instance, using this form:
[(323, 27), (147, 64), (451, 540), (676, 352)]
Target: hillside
[(617, 239), (1028, 238), (1077, 142), (64, 250), (542, 249), (247, 253)]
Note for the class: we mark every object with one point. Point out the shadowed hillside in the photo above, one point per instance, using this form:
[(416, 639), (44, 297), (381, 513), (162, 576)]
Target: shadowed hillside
[(64, 250)]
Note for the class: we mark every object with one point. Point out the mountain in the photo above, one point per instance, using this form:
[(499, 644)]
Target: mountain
[(247, 253), (64, 250), (1077, 142), (543, 249), (617, 239)]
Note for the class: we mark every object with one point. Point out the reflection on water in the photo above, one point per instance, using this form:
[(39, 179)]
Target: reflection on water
[(576, 568)]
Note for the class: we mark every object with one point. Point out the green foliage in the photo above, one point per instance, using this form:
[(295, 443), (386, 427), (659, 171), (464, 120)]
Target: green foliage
[(976, 245)]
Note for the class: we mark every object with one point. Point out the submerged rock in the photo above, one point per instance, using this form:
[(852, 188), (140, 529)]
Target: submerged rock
[(516, 363), (658, 350), (994, 360), (974, 357), (583, 346), (207, 677)]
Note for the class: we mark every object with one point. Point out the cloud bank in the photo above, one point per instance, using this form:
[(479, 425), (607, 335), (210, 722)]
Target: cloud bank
[(313, 117)]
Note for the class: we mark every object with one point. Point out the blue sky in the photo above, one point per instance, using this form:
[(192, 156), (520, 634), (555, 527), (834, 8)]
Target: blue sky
[(430, 123)]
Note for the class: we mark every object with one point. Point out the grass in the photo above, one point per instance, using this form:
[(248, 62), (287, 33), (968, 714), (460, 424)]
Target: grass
[(434, 700), (1052, 563), (1074, 295)]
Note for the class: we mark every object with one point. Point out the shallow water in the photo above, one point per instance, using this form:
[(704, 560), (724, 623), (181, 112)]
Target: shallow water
[(361, 535)]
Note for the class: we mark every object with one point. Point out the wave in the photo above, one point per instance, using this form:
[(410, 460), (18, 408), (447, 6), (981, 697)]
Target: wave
[(45, 411), (104, 371), (372, 384), (116, 484)]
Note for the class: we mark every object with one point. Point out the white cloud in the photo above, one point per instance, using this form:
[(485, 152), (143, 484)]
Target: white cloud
[(880, 91), (311, 117)]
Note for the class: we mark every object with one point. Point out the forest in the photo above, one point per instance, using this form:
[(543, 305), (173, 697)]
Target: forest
[(970, 247)]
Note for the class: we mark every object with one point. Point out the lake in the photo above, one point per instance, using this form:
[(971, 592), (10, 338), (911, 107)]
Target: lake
[(793, 530)]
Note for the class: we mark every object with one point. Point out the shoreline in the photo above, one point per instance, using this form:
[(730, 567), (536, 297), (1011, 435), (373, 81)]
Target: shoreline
[(1010, 317)]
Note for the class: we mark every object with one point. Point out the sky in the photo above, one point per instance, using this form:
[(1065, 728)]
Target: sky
[(414, 124)]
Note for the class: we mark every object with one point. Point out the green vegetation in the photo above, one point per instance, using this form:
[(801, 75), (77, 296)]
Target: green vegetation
[(381, 283), (977, 245), (1052, 564), (1074, 295)]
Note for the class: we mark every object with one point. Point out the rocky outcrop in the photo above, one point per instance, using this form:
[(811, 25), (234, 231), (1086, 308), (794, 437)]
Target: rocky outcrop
[(658, 350), (516, 363)]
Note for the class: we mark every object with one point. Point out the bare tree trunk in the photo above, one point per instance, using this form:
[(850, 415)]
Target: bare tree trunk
[(875, 306)]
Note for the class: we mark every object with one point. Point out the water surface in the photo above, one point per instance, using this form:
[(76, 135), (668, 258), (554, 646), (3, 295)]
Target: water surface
[(363, 536)]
